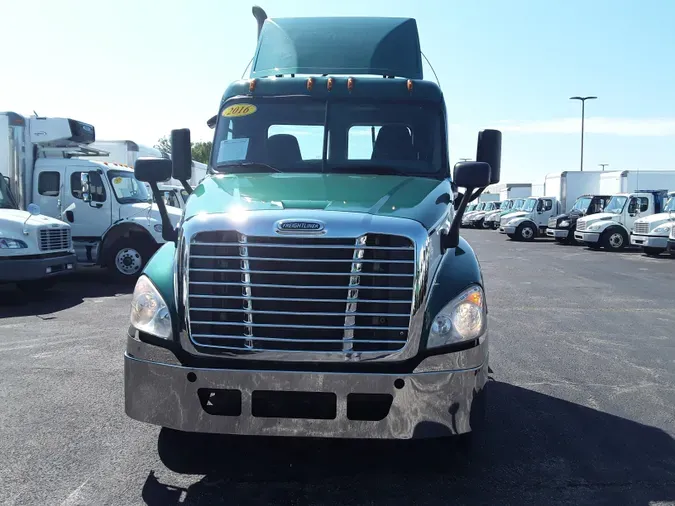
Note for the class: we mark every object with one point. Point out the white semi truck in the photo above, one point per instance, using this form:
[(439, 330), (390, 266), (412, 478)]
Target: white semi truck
[(651, 232), (671, 242), (114, 223), (35, 250), (477, 220), (509, 206), (612, 228)]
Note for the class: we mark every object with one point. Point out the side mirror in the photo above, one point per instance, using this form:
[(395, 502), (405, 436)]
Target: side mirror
[(85, 186), (489, 151), (181, 154), (472, 174), (211, 122), (152, 170), (33, 209)]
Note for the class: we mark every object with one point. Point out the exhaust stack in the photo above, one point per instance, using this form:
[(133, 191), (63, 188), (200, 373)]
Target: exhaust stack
[(260, 16)]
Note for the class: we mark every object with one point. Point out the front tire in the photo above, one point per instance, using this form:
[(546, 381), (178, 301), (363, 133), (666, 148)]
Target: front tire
[(614, 239), (127, 258), (526, 232)]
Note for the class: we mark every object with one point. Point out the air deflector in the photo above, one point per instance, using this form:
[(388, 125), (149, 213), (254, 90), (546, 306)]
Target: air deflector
[(339, 45)]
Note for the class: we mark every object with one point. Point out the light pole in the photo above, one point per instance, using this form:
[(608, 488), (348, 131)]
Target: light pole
[(603, 165), (583, 107)]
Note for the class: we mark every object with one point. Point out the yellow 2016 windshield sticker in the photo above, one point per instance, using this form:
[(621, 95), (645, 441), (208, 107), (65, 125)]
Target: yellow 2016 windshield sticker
[(239, 110), (117, 180)]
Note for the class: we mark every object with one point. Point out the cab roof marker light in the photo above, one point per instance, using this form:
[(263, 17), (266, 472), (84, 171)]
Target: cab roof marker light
[(251, 85), (310, 83), (329, 83), (410, 85), (350, 84)]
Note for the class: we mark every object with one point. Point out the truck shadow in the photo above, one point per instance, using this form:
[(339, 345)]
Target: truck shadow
[(69, 292), (537, 449)]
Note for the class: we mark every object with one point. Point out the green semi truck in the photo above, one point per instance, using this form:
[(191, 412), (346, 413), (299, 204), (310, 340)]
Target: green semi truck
[(317, 284)]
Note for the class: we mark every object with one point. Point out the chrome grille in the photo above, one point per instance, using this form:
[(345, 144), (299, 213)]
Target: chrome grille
[(581, 225), (641, 228), (300, 294), (52, 239), (552, 223)]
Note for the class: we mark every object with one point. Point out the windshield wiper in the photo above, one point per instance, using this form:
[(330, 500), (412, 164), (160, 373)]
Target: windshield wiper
[(373, 169), (251, 165)]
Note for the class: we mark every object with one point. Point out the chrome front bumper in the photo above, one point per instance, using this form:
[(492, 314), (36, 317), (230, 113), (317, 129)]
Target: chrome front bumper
[(444, 395), (649, 241), (508, 229), (587, 236), (557, 233)]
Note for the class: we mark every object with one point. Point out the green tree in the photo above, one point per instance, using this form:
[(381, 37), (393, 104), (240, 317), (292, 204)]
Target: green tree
[(201, 151)]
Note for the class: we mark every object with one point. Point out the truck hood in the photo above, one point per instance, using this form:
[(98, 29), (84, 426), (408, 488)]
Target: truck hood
[(380, 195), (11, 218), (478, 215), (516, 214), (655, 220), (592, 218), (140, 210)]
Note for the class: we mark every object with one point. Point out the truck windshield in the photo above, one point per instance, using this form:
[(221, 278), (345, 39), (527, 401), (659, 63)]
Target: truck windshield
[(6, 199), (616, 204), (529, 205), (506, 205), (670, 205), (128, 189), (518, 205), (581, 204), (291, 134)]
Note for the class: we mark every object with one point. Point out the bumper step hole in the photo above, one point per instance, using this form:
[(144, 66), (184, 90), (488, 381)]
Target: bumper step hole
[(220, 402), (191, 377), (307, 405), (369, 407), (399, 383)]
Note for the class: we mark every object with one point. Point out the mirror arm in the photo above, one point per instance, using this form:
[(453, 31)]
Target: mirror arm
[(451, 238), (168, 232), (186, 187)]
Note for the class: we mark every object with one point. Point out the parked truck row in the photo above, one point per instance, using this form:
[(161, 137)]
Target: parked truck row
[(594, 208)]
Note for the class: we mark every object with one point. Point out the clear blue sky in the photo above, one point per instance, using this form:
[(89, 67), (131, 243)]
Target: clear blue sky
[(136, 69)]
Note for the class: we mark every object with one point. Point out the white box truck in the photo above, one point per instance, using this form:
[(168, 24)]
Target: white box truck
[(35, 249), (627, 181), (651, 232), (612, 228), (114, 223)]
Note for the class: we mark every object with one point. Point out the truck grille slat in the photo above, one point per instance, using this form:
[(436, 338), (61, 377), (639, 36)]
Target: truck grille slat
[(641, 228), (581, 225), (312, 294), (52, 239)]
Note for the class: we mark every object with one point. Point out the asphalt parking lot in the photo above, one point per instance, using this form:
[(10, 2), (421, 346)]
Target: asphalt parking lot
[(582, 406)]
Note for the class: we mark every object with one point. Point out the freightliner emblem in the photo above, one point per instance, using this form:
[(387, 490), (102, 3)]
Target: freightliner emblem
[(303, 226)]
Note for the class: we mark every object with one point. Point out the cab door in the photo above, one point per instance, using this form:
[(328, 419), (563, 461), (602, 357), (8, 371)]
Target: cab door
[(48, 194), (544, 212), (89, 220), (635, 207)]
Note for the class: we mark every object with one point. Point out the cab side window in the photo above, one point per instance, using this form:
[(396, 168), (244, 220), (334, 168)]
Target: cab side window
[(98, 193), (644, 204), (548, 205), (49, 184)]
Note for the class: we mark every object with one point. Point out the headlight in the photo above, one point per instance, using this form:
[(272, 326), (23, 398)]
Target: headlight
[(462, 319), (7, 243), (594, 227), (158, 228), (662, 230), (564, 224), (149, 312)]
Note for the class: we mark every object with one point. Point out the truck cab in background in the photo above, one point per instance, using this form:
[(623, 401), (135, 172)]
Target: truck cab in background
[(563, 226), (318, 288), (174, 196), (477, 220), (467, 216), (670, 248), (532, 220), (651, 232), (35, 250), (494, 219), (612, 228)]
